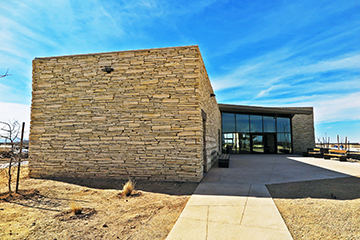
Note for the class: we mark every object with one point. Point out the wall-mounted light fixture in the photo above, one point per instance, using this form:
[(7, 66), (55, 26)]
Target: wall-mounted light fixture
[(107, 69), (212, 95)]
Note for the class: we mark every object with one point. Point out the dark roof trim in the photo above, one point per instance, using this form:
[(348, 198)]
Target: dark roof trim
[(263, 110)]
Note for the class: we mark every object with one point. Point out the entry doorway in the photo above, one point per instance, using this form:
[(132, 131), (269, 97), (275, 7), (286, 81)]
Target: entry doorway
[(257, 145), (250, 143), (263, 143), (269, 143)]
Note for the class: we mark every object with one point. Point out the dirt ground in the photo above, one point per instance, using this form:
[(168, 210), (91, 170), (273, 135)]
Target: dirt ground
[(321, 209), (42, 210)]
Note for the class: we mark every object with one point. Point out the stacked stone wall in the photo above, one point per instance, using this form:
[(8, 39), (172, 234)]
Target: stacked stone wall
[(209, 105), (142, 120), (303, 131)]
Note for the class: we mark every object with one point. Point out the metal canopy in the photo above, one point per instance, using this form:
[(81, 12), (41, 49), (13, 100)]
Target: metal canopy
[(262, 110)]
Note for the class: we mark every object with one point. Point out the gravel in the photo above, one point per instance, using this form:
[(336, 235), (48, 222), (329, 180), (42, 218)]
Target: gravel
[(321, 209)]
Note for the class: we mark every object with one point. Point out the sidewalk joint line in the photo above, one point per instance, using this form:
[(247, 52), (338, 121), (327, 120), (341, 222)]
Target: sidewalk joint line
[(272, 170), (207, 222), (243, 213)]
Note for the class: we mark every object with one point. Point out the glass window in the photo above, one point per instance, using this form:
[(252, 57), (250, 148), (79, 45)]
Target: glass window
[(242, 123), (228, 142), (269, 124), (244, 143), (245, 133), (228, 122), (255, 123), (236, 146), (283, 124), (284, 142)]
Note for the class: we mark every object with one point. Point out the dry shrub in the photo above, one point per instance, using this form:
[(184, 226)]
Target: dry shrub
[(128, 188), (75, 209)]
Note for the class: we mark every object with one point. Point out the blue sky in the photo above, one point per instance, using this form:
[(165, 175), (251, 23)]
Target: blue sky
[(264, 53)]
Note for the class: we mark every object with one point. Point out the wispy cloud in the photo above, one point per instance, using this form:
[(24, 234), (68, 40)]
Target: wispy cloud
[(286, 77), (270, 53), (275, 22), (275, 66), (267, 92), (337, 107), (327, 108)]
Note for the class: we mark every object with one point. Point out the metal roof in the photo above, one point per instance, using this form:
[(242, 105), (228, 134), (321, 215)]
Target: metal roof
[(263, 110)]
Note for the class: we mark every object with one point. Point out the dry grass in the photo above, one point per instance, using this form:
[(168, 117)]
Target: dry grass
[(75, 208), (24, 174), (128, 188), (41, 210)]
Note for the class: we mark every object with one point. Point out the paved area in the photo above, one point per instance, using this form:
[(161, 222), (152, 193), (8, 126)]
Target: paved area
[(234, 203), (6, 165)]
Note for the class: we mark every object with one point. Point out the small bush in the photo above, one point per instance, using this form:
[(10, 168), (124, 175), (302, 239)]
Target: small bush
[(128, 188), (76, 209)]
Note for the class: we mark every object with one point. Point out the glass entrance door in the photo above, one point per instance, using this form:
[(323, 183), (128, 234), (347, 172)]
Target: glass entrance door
[(269, 143), (263, 143), (257, 145)]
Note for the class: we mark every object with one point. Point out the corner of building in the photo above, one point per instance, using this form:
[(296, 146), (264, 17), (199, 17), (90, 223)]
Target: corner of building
[(303, 130)]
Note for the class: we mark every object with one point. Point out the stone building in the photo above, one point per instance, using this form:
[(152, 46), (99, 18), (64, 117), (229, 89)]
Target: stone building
[(146, 114), (149, 114)]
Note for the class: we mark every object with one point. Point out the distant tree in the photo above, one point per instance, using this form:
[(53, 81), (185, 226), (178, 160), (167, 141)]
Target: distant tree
[(6, 74), (10, 131)]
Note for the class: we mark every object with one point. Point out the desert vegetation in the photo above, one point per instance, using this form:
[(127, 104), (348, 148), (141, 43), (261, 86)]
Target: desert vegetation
[(9, 132), (48, 209)]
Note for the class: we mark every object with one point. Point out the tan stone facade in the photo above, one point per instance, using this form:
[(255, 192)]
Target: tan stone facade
[(212, 122), (145, 119), (303, 131)]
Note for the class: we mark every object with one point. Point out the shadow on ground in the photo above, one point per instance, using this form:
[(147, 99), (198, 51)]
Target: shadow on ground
[(171, 188), (347, 188)]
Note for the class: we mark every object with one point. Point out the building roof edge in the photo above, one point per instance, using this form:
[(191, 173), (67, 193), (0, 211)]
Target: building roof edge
[(258, 109)]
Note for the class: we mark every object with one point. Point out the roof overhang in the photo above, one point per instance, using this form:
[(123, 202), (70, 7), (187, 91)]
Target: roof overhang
[(263, 110)]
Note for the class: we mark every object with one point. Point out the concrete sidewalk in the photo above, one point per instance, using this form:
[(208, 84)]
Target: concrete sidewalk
[(234, 203), (14, 164)]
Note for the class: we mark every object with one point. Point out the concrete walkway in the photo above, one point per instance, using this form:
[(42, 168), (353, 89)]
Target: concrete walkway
[(234, 203), (13, 164)]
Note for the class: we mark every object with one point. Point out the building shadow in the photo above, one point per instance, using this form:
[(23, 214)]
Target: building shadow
[(170, 188), (346, 188), (284, 177)]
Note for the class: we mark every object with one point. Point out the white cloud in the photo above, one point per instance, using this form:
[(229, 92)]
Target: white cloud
[(338, 107), (266, 92), (280, 19), (15, 111), (343, 62), (327, 108), (289, 75), (273, 67)]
